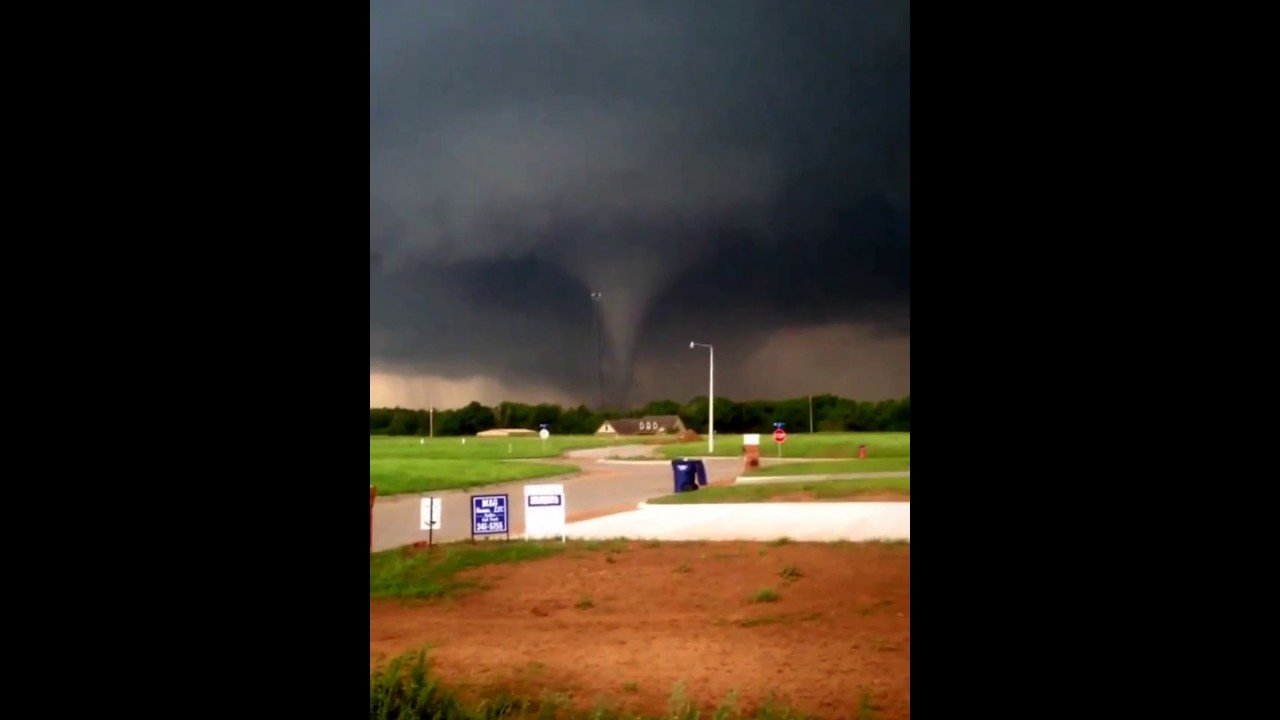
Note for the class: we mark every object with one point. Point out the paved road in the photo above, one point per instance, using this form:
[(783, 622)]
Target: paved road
[(601, 488)]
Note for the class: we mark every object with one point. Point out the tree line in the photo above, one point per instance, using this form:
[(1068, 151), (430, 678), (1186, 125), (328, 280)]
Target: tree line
[(830, 413)]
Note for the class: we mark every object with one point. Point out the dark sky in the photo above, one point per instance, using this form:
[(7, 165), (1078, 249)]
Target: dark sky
[(728, 171)]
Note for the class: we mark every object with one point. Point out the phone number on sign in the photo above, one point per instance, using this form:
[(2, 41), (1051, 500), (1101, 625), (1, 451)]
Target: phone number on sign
[(494, 526)]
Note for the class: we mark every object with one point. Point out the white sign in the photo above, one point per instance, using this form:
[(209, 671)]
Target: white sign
[(544, 433), (753, 439), (544, 512), (429, 514)]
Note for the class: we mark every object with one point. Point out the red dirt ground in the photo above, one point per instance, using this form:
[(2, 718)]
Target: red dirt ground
[(662, 613)]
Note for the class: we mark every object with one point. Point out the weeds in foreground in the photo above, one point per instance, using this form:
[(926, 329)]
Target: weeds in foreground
[(866, 709), (405, 689), (790, 573)]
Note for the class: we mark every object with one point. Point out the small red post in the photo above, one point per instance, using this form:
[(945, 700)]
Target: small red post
[(862, 452), (373, 493)]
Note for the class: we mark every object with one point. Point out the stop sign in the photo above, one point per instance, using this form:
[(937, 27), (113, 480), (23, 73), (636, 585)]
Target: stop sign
[(779, 436)]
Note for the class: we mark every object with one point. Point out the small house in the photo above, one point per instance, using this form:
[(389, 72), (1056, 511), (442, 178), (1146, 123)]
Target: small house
[(647, 425)]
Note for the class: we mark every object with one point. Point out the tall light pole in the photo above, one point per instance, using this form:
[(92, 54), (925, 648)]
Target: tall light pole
[(595, 302), (711, 396)]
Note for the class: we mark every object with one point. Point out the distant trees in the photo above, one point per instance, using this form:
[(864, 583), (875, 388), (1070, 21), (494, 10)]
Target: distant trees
[(830, 414)]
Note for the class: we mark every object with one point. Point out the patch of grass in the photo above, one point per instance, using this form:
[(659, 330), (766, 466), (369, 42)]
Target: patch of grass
[(878, 605), (397, 476), (780, 541), (406, 573), (880, 645), (802, 445), (885, 542), (400, 465), (821, 490), (682, 568), (777, 619), (790, 573), (886, 464), (866, 708), (765, 595), (585, 603), (613, 545), (406, 689)]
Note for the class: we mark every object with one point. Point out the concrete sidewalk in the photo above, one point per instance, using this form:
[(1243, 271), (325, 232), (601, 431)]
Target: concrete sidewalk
[(807, 522)]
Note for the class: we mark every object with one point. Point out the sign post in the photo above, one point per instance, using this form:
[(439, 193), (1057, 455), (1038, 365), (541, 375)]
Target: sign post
[(429, 517), (544, 433), (544, 512), (751, 450), (489, 516), (779, 436)]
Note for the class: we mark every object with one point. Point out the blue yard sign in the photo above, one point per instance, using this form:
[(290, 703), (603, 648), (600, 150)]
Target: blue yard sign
[(489, 515)]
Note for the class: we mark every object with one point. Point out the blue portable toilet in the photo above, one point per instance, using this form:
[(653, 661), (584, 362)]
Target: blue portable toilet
[(687, 474)]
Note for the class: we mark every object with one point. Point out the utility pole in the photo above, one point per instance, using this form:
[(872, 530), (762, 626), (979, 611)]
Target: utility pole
[(810, 414), (595, 303), (431, 421), (711, 395)]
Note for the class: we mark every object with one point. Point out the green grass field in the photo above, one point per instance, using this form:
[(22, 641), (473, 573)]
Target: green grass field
[(400, 465), (803, 445), (406, 574), (396, 476), (822, 490), (888, 464), (452, 448)]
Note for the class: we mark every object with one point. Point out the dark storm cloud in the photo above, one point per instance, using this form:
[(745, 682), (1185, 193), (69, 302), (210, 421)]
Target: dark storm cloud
[(718, 169)]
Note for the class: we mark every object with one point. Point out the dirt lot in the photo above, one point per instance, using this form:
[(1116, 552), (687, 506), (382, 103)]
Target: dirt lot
[(624, 622)]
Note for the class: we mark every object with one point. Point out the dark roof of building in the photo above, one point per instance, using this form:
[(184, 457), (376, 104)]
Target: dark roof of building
[(631, 426), (626, 426)]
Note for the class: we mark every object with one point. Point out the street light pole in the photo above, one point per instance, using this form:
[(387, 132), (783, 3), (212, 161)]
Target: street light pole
[(711, 395), (595, 303)]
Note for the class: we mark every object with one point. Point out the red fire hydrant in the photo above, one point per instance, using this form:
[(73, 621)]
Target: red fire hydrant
[(373, 493), (862, 452)]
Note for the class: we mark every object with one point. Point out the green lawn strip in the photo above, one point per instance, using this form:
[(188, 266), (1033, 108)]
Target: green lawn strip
[(475, 448), (397, 476), (837, 466), (409, 573), (823, 490), (801, 445)]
